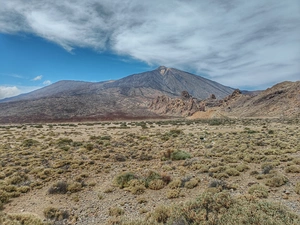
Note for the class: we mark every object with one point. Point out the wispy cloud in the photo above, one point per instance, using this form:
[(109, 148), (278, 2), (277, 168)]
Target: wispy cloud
[(37, 78), (47, 82), (241, 43), (12, 75)]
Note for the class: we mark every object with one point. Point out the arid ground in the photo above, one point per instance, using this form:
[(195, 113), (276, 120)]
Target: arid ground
[(151, 172)]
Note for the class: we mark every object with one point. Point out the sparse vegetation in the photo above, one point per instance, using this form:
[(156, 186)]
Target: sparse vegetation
[(241, 165)]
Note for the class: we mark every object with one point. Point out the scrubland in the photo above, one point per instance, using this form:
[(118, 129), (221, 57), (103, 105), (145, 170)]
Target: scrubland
[(217, 171)]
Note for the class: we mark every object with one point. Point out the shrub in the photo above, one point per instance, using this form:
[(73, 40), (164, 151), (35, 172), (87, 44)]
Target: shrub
[(136, 186), (266, 168), (4, 196), (89, 146), (297, 188), (180, 155), (175, 184), (116, 211), (293, 169), (191, 183), (56, 214), (220, 184), (242, 167), (174, 193), (232, 172), (23, 189), (151, 176), (258, 191), (19, 219), (30, 143), (161, 214), (61, 187), (156, 184), (74, 187), (276, 180), (123, 179)]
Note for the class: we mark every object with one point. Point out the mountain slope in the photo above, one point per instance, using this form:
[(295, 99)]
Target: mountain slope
[(129, 97), (172, 82), (281, 100)]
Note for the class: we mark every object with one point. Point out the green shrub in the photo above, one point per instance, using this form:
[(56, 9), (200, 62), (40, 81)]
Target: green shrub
[(151, 176), (180, 155), (123, 179)]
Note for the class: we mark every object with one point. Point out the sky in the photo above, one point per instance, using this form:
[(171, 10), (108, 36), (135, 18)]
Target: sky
[(248, 45)]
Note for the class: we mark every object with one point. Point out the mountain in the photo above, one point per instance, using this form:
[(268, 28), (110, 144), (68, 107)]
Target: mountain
[(127, 98), (281, 100), (171, 82)]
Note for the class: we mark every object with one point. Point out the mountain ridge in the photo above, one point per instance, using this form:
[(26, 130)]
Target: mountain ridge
[(136, 96)]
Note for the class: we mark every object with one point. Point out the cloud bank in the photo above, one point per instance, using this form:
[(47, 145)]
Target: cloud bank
[(237, 43), (6, 91)]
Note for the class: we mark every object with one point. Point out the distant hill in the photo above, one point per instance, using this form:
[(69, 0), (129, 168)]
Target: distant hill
[(281, 100), (127, 98)]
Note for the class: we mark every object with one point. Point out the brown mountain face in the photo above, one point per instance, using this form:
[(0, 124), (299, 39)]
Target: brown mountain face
[(127, 98), (281, 100), (184, 106)]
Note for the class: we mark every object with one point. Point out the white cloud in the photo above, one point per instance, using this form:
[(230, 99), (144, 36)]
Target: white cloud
[(9, 91), (37, 78), (256, 41), (47, 82)]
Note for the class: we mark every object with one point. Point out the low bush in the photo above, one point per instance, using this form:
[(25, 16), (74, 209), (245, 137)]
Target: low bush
[(180, 155), (292, 169), (116, 211), (276, 180), (20, 219), (258, 191), (191, 183), (61, 187), (297, 188), (123, 179), (56, 214), (174, 193)]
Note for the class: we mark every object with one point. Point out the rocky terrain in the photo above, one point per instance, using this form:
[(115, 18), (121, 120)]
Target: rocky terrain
[(281, 100)]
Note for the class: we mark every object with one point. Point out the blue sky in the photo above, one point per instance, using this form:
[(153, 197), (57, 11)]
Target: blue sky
[(243, 44)]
